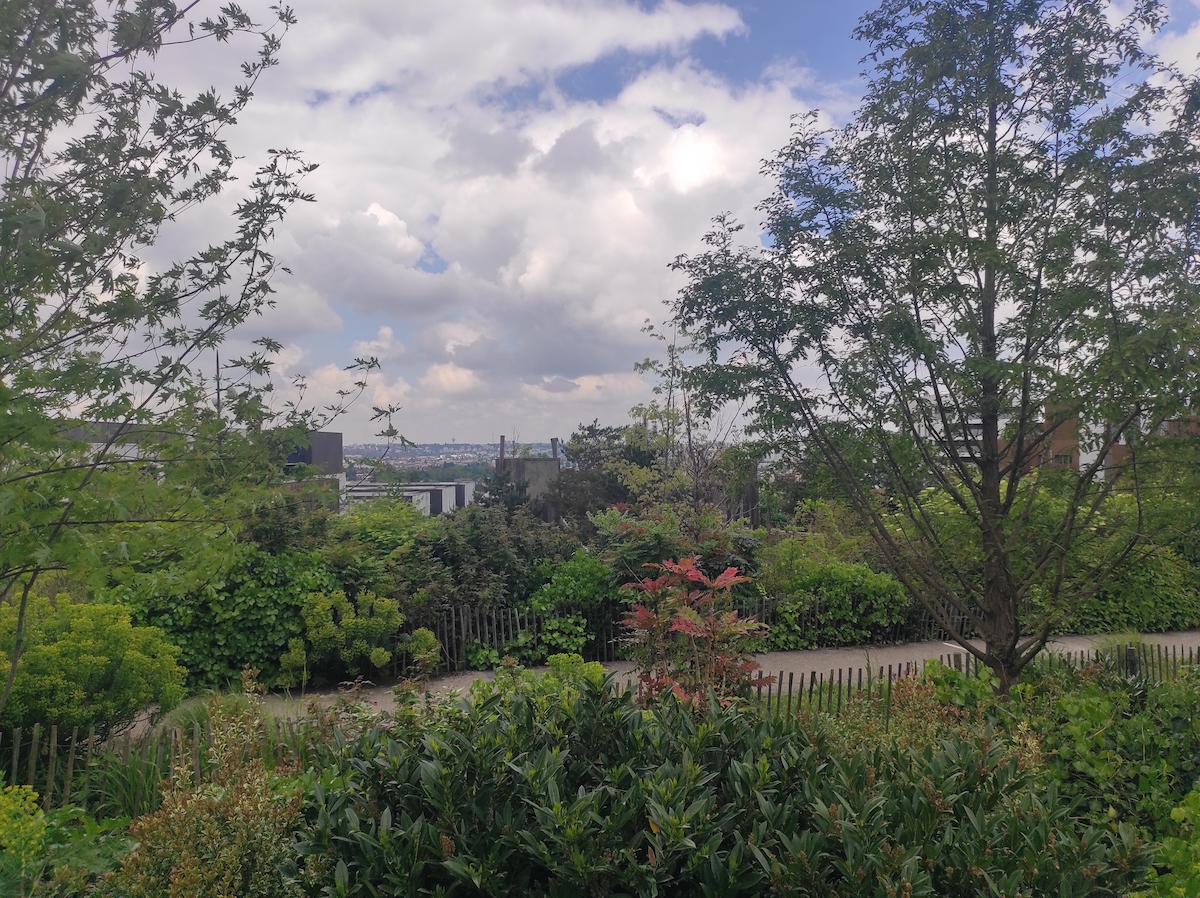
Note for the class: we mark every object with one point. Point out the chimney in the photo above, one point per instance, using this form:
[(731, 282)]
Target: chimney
[(554, 447), (502, 448)]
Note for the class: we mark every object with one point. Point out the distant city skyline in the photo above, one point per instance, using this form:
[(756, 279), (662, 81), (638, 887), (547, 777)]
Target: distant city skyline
[(430, 454)]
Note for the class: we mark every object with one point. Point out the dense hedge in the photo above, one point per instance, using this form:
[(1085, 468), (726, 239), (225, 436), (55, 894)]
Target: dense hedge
[(87, 665), (580, 793), (839, 604), (1155, 593), (243, 616)]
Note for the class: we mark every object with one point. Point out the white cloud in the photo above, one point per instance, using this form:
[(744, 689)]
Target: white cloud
[(385, 346), (386, 393), (450, 379), (496, 243), (362, 49), (588, 391)]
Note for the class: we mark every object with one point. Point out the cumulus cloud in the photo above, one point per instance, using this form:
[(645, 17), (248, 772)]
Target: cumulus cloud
[(385, 347), (494, 241), (391, 393), (450, 379)]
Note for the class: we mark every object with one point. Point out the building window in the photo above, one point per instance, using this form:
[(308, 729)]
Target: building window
[(1063, 460)]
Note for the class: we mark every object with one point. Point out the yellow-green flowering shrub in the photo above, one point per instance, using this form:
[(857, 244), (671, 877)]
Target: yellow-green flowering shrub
[(87, 665), (22, 838)]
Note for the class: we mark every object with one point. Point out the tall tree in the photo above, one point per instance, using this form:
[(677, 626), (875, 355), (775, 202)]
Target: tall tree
[(998, 252), (107, 415)]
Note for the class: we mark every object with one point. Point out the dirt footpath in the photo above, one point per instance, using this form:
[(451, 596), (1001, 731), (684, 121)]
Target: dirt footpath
[(788, 664)]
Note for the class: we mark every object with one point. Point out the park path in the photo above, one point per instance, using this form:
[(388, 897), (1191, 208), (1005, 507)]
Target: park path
[(800, 663)]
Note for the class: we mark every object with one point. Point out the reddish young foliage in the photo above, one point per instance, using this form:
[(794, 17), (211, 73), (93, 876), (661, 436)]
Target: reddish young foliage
[(688, 639)]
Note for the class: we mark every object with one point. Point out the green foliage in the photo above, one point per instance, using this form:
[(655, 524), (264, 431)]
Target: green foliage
[(424, 651), (1135, 758), (1180, 855), (568, 674), (482, 657), (54, 855), (1128, 750), (478, 555), (342, 636), (226, 836), (22, 837), (1155, 593), (830, 604), (580, 583), (530, 793), (365, 546), (952, 687), (577, 598), (563, 634), (246, 614), (629, 540), (88, 665)]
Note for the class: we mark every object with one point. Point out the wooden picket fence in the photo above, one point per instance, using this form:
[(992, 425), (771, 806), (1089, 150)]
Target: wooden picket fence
[(460, 627), (830, 693), (124, 775)]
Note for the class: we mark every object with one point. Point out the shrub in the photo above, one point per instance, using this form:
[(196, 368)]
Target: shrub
[(1127, 750), (578, 592), (244, 616), (913, 716), (424, 651), (527, 794), (832, 604), (342, 636), (687, 638), (22, 838), (628, 541), (228, 836), (1154, 594), (87, 665), (568, 674), (57, 854), (1180, 856)]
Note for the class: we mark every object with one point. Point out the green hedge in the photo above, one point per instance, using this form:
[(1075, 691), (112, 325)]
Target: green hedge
[(1156, 593), (839, 604), (524, 793), (243, 616)]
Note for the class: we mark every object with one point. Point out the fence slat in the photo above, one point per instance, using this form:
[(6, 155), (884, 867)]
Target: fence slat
[(887, 702), (68, 778), (50, 764), (85, 796), (33, 755), (196, 754)]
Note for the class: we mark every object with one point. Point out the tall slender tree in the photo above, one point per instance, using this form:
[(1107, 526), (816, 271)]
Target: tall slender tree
[(107, 412), (997, 253)]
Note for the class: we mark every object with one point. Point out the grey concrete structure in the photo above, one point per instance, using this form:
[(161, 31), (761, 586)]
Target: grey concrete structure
[(538, 473), (324, 451)]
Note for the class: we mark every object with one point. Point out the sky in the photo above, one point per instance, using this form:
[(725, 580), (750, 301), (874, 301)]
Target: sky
[(504, 183)]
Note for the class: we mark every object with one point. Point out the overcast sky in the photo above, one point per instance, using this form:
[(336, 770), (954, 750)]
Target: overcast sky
[(503, 184)]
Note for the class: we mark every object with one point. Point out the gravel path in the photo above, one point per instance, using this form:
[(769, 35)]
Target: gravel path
[(787, 664)]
